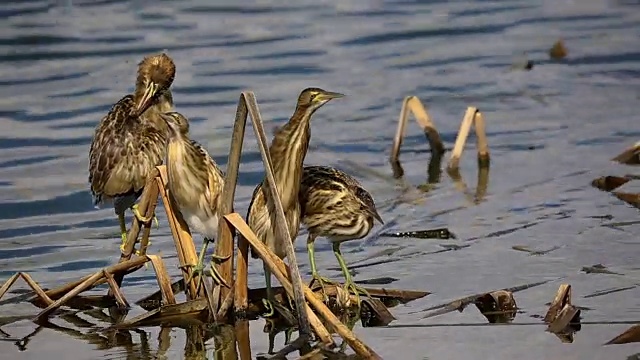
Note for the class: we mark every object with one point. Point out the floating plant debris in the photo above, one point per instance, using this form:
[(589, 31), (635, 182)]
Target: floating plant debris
[(440, 233)]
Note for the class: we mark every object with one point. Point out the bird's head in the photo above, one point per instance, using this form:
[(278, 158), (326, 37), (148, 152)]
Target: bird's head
[(313, 98), (178, 124), (367, 204), (155, 76)]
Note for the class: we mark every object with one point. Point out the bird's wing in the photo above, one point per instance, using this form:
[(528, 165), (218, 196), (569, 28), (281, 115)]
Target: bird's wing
[(107, 148)]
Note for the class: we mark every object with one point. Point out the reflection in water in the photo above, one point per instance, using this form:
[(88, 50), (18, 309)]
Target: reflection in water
[(135, 343)]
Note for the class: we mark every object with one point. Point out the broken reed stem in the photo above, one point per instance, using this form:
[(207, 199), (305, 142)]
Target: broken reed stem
[(88, 283), (243, 339), (182, 239), (149, 196), (241, 301), (472, 117), (7, 284), (278, 267), (125, 267), (481, 139), (115, 289), (77, 290), (281, 231), (224, 245), (463, 133), (280, 273), (164, 281), (414, 105), (32, 284), (38, 290), (151, 209)]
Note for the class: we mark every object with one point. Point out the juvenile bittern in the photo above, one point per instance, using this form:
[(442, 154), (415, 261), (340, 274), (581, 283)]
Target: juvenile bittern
[(129, 142), (288, 150), (335, 205), (195, 186)]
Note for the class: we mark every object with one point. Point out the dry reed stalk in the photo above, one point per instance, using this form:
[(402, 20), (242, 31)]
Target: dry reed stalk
[(32, 284), (414, 105), (115, 289), (182, 239), (147, 206), (281, 230), (227, 303), (38, 290), (475, 118), (278, 267), (7, 284), (224, 244), (125, 267), (151, 209), (75, 291), (243, 339), (143, 206), (164, 281), (241, 301)]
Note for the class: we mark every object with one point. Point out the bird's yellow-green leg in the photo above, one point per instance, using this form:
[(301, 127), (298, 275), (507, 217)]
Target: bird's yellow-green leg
[(123, 231), (349, 285), (314, 272), (198, 269), (268, 301)]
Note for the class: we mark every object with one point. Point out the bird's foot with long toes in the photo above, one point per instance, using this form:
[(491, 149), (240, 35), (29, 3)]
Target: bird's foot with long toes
[(199, 270), (268, 306), (143, 219), (124, 243), (322, 281), (350, 286)]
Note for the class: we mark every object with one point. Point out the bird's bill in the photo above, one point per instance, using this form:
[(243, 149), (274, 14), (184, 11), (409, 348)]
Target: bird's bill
[(326, 96), (377, 217), (147, 98)]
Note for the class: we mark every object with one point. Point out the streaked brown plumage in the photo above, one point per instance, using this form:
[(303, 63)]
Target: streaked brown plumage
[(130, 140), (288, 150), (195, 184), (336, 206)]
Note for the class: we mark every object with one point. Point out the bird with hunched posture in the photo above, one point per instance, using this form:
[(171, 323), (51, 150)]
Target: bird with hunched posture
[(195, 184), (335, 205), (288, 150), (129, 142)]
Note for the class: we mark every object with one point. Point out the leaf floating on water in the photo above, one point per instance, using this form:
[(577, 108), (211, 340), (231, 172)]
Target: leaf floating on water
[(630, 198), (534, 252), (497, 306), (598, 269), (630, 156), (385, 280), (608, 183), (449, 247), (563, 318), (558, 50), (631, 335), (460, 304)]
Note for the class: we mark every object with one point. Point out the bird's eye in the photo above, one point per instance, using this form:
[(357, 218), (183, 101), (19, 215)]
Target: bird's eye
[(313, 96)]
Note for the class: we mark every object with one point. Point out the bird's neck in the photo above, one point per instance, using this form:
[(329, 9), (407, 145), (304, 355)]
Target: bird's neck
[(288, 150)]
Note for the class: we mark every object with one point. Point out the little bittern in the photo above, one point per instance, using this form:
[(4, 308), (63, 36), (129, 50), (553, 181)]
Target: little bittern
[(195, 186), (335, 205), (129, 142), (288, 150)]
